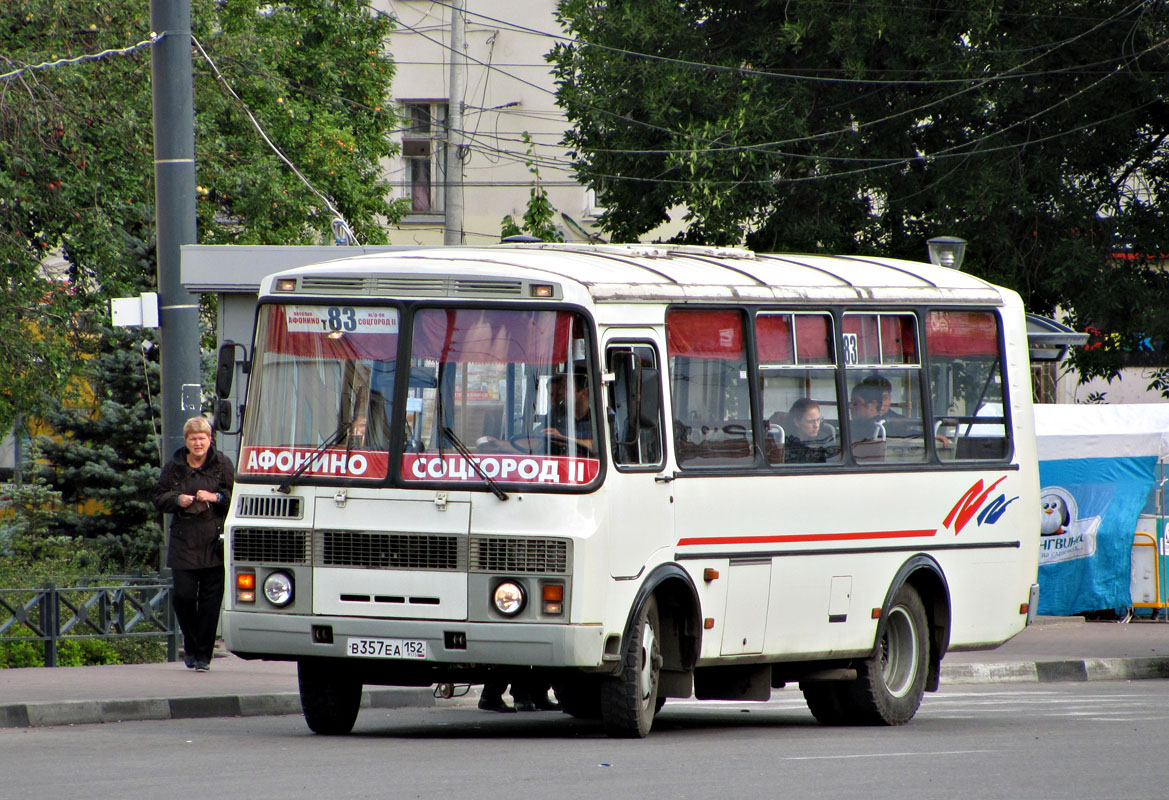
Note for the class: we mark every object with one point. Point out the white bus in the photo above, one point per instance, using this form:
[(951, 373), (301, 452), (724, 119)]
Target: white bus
[(600, 467)]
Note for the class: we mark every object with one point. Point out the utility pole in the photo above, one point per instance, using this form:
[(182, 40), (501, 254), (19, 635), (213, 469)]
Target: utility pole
[(453, 183), (174, 204)]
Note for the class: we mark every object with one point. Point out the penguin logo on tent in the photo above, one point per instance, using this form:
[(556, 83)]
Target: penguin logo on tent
[(1056, 512)]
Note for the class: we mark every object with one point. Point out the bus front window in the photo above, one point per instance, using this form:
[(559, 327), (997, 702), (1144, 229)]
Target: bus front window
[(511, 387), (324, 376)]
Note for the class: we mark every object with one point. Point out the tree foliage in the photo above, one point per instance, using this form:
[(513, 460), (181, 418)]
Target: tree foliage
[(537, 219), (77, 207), (1035, 130), (76, 159), (103, 458)]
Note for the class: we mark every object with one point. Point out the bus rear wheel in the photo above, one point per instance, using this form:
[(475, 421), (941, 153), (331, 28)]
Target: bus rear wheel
[(890, 683), (629, 699), (329, 697)]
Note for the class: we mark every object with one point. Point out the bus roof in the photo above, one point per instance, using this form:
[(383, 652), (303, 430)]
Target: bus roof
[(642, 273)]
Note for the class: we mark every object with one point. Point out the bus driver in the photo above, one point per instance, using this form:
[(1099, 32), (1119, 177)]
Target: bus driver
[(552, 435)]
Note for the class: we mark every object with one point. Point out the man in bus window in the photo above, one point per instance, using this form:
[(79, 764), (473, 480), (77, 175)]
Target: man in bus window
[(864, 409), (557, 424), (895, 422), (552, 435)]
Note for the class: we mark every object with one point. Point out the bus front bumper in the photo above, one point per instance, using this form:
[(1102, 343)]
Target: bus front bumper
[(291, 637)]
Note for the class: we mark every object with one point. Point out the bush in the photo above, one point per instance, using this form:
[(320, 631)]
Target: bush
[(21, 654)]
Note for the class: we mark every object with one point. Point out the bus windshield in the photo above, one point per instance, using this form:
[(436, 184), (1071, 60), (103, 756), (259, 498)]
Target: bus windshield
[(511, 387), (324, 375)]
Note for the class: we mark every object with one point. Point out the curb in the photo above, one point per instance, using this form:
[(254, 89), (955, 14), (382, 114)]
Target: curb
[(84, 712), (1088, 669)]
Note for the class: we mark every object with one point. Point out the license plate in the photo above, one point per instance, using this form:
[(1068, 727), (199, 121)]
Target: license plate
[(386, 648)]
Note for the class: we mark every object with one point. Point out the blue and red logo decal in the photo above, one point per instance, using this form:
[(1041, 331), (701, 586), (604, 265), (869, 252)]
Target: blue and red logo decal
[(970, 505)]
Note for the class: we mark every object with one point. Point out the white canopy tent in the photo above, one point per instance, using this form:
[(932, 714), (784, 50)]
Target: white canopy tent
[(1102, 431), (1098, 436)]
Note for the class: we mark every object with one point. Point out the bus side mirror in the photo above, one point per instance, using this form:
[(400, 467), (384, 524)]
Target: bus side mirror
[(221, 417), (225, 369)]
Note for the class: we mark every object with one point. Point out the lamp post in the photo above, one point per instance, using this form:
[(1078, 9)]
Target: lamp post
[(947, 251)]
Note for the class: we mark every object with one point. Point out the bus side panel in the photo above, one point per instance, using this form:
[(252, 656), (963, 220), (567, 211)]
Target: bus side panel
[(833, 544)]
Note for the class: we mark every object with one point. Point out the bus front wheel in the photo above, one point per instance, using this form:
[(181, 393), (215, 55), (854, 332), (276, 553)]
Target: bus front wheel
[(629, 699), (329, 697), (889, 684)]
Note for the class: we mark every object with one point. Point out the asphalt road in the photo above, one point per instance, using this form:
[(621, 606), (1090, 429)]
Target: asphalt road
[(1056, 740)]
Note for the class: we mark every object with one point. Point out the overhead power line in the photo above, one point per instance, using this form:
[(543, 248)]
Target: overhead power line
[(62, 62)]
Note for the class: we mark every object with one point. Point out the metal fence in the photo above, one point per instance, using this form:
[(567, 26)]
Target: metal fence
[(52, 615)]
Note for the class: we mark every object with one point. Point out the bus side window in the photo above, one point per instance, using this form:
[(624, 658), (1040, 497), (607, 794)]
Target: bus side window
[(883, 372), (634, 421), (709, 388), (797, 387), (966, 381)]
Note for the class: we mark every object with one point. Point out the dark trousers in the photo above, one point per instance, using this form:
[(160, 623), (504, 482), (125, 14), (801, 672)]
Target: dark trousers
[(198, 599)]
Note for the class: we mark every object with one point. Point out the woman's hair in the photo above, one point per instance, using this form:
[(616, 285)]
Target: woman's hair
[(196, 425), (801, 407)]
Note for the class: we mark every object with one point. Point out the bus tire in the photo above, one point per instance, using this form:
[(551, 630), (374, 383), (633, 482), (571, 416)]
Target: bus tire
[(329, 697), (579, 698), (827, 702), (629, 698), (890, 684)]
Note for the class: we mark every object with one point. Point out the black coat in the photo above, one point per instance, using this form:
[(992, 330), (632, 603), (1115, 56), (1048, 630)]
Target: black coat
[(195, 531)]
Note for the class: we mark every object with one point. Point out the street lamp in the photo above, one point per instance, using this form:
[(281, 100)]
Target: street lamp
[(947, 251)]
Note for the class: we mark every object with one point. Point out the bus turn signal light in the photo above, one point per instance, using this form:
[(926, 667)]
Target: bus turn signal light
[(245, 587), (553, 598), (709, 574)]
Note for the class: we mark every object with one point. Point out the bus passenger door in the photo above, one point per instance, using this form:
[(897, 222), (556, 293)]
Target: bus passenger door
[(640, 506)]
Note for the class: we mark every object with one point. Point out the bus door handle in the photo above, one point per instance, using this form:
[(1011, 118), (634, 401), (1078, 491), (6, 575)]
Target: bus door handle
[(664, 478)]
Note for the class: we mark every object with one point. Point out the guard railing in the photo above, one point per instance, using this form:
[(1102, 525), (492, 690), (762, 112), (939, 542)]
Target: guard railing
[(136, 608)]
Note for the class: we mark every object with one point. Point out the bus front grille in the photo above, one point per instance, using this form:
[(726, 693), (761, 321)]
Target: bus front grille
[(270, 546), (370, 550), (519, 554), (264, 507)]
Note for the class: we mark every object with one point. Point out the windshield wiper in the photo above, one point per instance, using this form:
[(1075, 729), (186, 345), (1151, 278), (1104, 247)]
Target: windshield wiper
[(465, 453), (286, 485)]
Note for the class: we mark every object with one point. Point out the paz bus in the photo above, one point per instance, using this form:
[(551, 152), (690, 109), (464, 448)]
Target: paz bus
[(589, 465)]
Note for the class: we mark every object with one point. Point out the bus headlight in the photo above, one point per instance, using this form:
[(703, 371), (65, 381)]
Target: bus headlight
[(278, 588), (508, 598)]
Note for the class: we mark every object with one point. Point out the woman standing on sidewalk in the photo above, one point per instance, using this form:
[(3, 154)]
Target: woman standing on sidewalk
[(195, 486)]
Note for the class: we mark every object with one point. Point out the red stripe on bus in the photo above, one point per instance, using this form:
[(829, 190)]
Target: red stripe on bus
[(807, 537)]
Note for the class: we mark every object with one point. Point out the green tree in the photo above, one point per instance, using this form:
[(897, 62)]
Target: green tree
[(539, 214), (1034, 130), (103, 459), (77, 197), (76, 159)]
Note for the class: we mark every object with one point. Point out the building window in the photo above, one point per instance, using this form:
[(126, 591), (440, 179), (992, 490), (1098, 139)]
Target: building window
[(424, 155)]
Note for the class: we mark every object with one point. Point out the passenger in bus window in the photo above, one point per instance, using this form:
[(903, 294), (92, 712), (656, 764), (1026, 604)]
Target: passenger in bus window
[(552, 435), (557, 423), (896, 424), (864, 409), (806, 442)]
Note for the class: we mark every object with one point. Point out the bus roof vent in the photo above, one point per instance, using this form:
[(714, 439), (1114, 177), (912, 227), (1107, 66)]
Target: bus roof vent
[(492, 287), (337, 284), (427, 286)]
